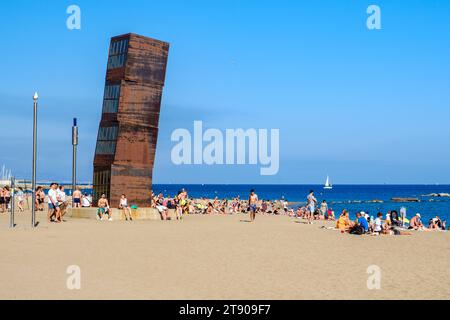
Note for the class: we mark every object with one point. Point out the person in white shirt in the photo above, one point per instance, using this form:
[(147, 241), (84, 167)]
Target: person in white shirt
[(86, 201), (53, 206), (62, 200), (378, 224), (125, 208)]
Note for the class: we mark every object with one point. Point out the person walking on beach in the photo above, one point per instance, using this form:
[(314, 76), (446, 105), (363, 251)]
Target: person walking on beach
[(252, 201), (53, 206), (20, 199), (62, 200), (312, 201)]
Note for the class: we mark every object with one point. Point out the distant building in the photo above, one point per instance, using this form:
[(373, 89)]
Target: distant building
[(128, 131)]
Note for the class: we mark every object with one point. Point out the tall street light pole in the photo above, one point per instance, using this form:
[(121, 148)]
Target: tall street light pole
[(33, 171), (74, 157)]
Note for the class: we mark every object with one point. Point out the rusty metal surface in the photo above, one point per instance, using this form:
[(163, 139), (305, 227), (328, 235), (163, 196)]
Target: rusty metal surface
[(141, 83)]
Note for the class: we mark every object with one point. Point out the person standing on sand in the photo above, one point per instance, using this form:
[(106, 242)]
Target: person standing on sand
[(62, 200), (312, 201), (53, 206), (20, 199), (324, 210), (2, 201), (77, 198), (7, 197), (252, 201)]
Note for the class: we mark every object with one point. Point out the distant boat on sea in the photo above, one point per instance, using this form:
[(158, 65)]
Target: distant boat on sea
[(328, 184)]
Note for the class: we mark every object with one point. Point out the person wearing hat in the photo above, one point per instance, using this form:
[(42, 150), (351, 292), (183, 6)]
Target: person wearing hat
[(415, 223)]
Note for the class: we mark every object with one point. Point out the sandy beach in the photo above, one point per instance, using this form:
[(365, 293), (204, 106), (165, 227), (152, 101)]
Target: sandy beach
[(216, 257)]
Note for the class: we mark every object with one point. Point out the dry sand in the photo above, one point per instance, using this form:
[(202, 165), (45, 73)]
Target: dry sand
[(216, 257)]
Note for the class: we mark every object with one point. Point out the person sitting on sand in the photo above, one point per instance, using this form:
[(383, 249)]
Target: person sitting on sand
[(103, 208), (123, 205), (436, 224), (160, 205), (395, 219), (330, 215), (415, 223), (361, 226), (86, 201), (210, 209), (343, 223), (378, 224)]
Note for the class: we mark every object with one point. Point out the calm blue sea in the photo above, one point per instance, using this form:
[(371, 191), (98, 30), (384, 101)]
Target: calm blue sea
[(351, 197)]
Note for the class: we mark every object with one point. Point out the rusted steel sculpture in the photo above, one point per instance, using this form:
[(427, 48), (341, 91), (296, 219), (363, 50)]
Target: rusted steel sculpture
[(128, 131)]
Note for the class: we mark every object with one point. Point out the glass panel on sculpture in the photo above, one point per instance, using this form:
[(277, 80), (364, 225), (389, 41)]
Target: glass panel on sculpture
[(110, 106), (105, 147)]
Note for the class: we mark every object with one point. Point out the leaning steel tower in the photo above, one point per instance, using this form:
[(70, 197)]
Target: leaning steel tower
[(128, 131)]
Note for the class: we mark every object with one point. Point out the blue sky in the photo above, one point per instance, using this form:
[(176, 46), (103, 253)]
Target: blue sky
[(363, 106)]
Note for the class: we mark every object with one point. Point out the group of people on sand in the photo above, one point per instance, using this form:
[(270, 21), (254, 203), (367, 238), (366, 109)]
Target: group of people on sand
[(392, 224), (57, 203), (81, 200), (104, 210), (6, 196), (312, 211), (182, 204)]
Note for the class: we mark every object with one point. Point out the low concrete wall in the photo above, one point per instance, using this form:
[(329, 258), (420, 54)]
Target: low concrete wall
[(117, 214)]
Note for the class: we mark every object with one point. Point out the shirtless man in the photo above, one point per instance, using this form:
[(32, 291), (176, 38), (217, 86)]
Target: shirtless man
[(252, 200), (103, 208), (416, 224), (77, 198)]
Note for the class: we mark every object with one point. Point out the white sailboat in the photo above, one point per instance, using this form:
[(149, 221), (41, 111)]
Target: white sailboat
[(328, 184)]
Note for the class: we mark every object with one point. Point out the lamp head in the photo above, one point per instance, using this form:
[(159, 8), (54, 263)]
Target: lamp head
[(35, 97)]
